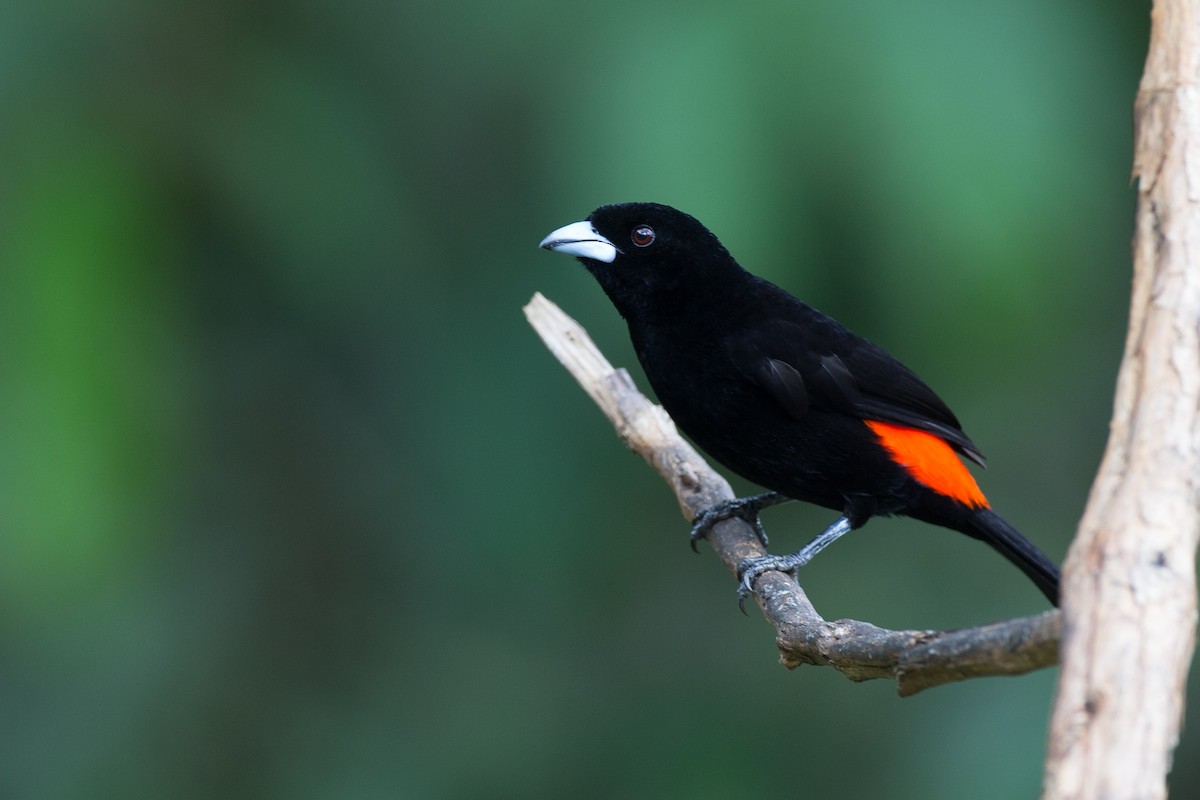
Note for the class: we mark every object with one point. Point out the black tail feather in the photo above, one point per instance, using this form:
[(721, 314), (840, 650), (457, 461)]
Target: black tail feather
[(1016, 548)]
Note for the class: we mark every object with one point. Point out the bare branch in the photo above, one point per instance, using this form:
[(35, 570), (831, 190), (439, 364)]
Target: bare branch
[(916, 660)]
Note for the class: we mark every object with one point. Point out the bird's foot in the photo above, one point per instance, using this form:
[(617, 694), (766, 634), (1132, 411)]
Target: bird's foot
[(751, 568), (746, 508)]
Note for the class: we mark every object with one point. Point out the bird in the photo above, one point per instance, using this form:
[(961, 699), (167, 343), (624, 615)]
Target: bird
[(782, 394)]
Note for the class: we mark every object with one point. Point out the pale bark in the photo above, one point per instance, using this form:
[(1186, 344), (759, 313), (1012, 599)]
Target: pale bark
[(1129, 583), (916, 660)]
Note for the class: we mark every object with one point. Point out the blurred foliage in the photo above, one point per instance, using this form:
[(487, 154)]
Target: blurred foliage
[(293, 504)]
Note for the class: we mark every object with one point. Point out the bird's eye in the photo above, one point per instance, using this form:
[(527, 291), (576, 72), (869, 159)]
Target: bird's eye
[(642, 236)]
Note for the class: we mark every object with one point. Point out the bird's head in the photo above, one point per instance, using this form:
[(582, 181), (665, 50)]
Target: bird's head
[(644, 254)]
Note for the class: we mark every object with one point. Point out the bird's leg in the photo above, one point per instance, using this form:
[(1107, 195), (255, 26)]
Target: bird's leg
[(751, 568), (746, 508)]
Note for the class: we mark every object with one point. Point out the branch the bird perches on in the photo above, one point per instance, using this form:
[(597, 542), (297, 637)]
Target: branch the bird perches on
[(861, 651)]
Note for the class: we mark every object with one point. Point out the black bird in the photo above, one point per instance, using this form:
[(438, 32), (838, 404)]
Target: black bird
[(782, 394)]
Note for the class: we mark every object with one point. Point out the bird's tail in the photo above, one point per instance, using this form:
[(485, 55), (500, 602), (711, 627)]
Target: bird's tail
[(1009, 542)]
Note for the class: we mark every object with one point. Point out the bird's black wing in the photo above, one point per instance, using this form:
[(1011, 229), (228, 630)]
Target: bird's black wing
[(820, 364)]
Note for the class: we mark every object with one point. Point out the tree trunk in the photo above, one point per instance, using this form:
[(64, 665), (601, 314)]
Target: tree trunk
[(1129, 583)]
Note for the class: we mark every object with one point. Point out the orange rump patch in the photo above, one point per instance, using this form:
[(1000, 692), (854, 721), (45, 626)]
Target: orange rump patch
[(930, 461)]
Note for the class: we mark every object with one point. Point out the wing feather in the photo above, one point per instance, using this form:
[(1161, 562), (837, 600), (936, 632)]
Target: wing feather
[(822, 365)]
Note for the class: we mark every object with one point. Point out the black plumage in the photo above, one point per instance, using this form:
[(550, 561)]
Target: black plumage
[(780, 393)]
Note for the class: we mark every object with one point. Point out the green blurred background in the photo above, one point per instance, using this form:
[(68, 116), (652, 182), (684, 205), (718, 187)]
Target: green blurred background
[(294, 504)]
